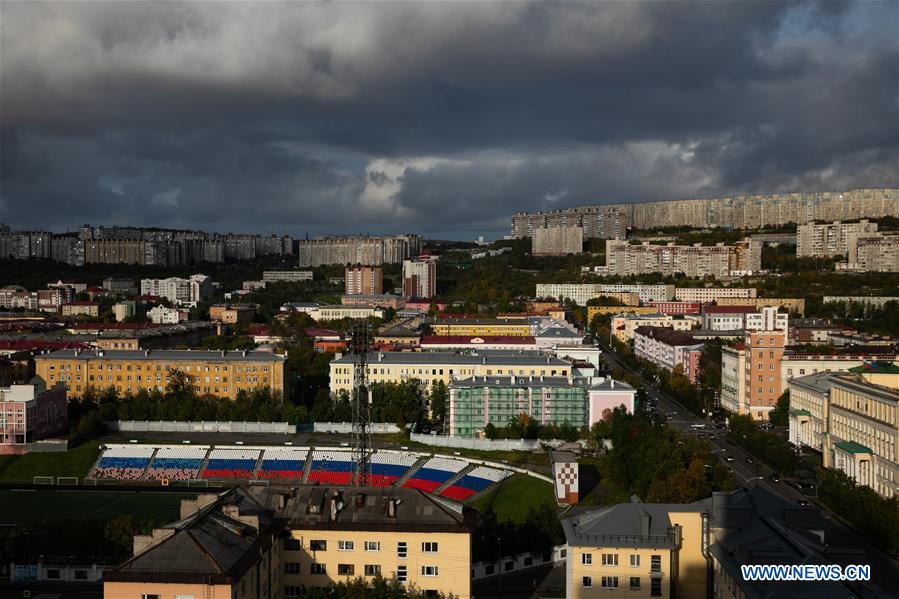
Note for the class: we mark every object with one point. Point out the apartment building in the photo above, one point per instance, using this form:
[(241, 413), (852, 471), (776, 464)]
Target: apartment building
[(739, 211), (676, 308), (581, 293), (878, 301), (764, 350), (668, 349), (478, 401), (428, 367), (733, 379), (833, 239), (696, 261), (798, 362), (852, 417), (383, 300), (624, 327), (708, 295), (419, 278), (595, 221), (232, 313), (788, 304), (121, 285), (90, 309), (637, 549), (557, 240), (481, 327), (364, 280), (358, 250), (23, 245), (179, 291), (162, 315), (873, 253), (328, 312), (219, 373), (286, 276), (732, 318), (29, 413)]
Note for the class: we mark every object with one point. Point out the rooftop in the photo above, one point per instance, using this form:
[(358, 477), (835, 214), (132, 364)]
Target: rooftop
[(878, 367), (162, 354), (477, 339), (665, 335), (468, 358)]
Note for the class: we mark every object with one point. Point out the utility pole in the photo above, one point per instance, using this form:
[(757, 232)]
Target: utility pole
[(362, 448)]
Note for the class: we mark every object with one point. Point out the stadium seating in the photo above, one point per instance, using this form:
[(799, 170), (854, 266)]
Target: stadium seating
[(283, 463), (388, 466), (123, 462), (177, 463), (332, 467), (474, 482), (434, 473), (231, 463)]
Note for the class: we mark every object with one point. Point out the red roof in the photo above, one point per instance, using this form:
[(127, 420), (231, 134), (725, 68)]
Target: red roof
[(29, 345), (320, 332), (468, 339), (730, 309)]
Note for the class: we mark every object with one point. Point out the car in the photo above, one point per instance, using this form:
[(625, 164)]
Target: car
[(774, 477), (728, 458), (804, 502), (697, 426), (749, 459)]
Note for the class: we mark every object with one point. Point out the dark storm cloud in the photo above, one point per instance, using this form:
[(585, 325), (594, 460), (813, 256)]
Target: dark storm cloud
[(442, 118)]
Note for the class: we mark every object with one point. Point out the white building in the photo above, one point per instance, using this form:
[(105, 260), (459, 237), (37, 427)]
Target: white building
[(668, 349), (826, 240), (581, 293), (163, 315), (706, 295), (177, 290), (275, 276), (419, 279), (733, 318), (733, 379), (339, 312)]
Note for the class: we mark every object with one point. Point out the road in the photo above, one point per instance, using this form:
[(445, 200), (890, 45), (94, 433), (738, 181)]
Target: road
[(839, 535)]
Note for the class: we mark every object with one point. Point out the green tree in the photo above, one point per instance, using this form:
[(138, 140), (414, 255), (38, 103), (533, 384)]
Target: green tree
[(438, 399), (780, 415)]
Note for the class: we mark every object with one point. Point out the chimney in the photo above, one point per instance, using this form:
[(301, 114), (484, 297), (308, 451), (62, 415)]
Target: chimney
[(645, 522), (613, 383)]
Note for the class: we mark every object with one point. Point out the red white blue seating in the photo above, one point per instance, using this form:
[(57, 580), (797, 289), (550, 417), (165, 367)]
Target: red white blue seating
[(332, 467), (388, 466), (474, 482), (123, 462), (231, 463), (177, 463), (280, 463), (434, 473)]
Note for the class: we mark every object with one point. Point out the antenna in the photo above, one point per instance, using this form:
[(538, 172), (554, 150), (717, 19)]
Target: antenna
[(362, 448)]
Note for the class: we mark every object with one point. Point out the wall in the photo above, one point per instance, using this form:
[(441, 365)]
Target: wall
[(518, 562), (378, 428), (160, 426), (484, 444)]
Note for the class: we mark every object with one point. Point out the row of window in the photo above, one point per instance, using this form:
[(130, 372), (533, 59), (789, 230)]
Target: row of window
[(612, 582), (159, 368), (611, 559), (350, 570), (322, 545)]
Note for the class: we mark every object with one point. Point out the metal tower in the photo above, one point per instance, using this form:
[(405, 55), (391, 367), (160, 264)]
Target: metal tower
[(361, 411)]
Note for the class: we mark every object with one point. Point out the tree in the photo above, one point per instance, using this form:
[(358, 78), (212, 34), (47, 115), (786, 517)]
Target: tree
[(438, 400), (120, 531), (490, 431), (780, 415)]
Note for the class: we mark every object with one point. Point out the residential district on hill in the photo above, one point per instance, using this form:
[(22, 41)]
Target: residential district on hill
[(205, 415)]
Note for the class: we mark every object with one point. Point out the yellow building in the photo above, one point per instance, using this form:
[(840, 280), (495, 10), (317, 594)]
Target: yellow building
[(482, 327), (788, 304), (429, 367), (624, 326), (232, 314), (636, 550), (81, 309), (219, 373), (341, 534)]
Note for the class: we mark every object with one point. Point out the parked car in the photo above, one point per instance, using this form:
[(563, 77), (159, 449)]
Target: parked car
[(728, 458), (804, 502), (749, 459), (774, 477)]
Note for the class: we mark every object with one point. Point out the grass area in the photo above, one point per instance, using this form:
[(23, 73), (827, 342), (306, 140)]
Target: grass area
[(515, 496), (75, 462)]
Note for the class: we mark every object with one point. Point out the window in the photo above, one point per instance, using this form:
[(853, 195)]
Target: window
[(292, 591), (318, 545), (610, 582), (149, 596), (635, 561), (401, 573), (346, 569), (401, 550), (656, 563), (429, 570), (609, 559), (429, 547), (345, 545), (635, 582), (587, 582), (53, 574), (80, 574), (372, 570), (372, 545), (655, 588), (291, 567), (316, 568), (586, 559)]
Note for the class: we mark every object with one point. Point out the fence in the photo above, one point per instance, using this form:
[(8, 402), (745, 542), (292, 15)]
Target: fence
[(171, 426), (515, 563), (48, 446), (378, 428), (485, 444)]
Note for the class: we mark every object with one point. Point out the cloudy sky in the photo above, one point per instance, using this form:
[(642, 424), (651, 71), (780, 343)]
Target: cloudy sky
[(442, 118)]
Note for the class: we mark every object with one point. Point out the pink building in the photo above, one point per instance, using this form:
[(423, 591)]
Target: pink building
[(674, 308), (29, 413), (607, 395)]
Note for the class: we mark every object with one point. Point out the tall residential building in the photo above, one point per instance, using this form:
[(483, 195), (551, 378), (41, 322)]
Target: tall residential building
[(873, 253), (29, 413), (419, 278), (358, 250), (826, 240), (218, 373), (669, 349), (364, 280), (291, 276), (624, 259), (557, 240), (595, 221), (764, 350), (177, 290), (739, 212), (581, 293), (732, 318), (705, 295)]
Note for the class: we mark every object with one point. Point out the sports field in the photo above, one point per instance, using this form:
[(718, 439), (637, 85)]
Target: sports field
[(515, 496), (75, 462)]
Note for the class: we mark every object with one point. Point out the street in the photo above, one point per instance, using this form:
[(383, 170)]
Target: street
[(884, 568)]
